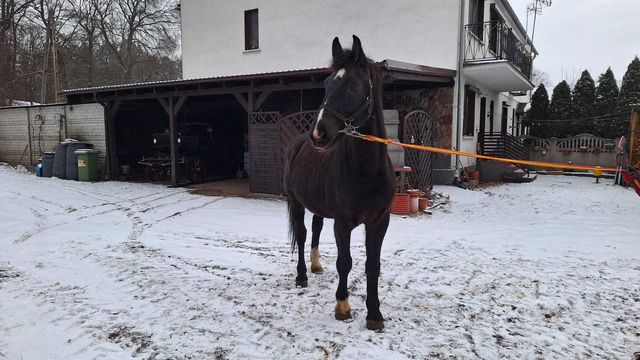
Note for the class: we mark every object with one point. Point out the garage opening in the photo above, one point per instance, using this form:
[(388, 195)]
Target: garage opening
[(212, 136)]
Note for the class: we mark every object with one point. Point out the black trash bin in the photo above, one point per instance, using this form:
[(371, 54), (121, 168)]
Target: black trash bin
[(60, 161), (72, 159), (47, 164)]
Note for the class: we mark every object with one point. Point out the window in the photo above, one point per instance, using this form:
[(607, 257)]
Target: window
[(251, 29), (476, 17), (469, 113)]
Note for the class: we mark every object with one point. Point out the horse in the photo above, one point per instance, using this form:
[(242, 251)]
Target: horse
[(341, 177)]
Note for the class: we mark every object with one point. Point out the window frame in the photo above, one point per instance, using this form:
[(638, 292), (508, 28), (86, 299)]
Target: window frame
[(251, 30), (469, 118)]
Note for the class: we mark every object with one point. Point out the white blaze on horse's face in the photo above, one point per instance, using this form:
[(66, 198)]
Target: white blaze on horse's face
[(316, 133), (340, 73)]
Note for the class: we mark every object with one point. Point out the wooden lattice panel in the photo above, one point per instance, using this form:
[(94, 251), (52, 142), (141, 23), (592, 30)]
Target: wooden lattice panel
[(418, 129), (264, 153), (293, 125)]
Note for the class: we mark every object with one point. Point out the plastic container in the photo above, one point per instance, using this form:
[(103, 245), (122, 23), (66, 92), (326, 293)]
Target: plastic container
[(87, 164), (38, 170), (415, 202), (423, 202), (60, 161), (47, 164), (72, 160), (401, 204)]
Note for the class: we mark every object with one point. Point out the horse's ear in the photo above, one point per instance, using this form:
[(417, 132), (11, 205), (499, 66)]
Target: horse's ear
[(336, 48), (357, 50)]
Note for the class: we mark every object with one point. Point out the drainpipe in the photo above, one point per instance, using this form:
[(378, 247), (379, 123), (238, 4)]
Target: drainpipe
[(459, 83)]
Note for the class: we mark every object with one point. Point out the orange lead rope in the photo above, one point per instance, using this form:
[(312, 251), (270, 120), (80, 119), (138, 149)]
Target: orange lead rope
[(462, 153)]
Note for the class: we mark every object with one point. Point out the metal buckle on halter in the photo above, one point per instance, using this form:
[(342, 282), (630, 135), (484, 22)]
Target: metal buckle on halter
[(350, 129)]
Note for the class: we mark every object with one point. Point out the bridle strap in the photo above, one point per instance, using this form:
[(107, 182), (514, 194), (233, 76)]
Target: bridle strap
[(348, 121)]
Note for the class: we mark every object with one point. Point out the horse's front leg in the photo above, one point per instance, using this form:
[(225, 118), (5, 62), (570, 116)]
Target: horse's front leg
[(342, 231), (375, 232)]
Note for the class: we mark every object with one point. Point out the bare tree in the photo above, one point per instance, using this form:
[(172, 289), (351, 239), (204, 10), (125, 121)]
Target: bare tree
[(12, 12), (132, 27)]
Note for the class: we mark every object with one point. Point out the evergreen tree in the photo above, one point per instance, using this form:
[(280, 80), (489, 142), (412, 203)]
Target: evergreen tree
[(583, 99), (539, 111), (606, 103), (561, 109), (629, 96)]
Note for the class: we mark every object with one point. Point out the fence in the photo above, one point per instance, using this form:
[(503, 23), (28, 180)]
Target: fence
[(583, 149)]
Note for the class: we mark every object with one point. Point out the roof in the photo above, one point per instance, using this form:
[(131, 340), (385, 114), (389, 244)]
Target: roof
[(402, 70)]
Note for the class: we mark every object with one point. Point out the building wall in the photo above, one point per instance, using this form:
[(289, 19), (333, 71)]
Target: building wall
[(47, 126), (297, 34)]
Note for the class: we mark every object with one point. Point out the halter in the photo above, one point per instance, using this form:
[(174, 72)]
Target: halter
[(349, 128)]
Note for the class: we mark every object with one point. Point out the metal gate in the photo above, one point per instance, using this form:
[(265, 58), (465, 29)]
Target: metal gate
[(265, 155), (293, 125), (418, 129)]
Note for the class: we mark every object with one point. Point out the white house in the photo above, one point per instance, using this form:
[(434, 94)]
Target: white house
[(482, 40)]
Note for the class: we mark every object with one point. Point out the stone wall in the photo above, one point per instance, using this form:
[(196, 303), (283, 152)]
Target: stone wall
[(437, 102)]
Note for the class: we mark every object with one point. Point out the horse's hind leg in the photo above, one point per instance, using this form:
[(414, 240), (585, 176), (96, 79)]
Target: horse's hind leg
[(299, 232), (375, 232), (316, 228)]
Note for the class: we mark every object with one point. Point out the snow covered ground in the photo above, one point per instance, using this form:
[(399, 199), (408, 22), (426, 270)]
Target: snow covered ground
[(117, 270)]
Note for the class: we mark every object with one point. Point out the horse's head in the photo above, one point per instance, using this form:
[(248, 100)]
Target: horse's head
[(348, 94)]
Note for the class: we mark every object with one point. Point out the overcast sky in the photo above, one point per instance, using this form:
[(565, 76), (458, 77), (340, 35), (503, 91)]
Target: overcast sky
[(573, 35)]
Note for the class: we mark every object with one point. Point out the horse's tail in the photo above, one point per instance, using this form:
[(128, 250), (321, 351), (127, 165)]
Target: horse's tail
[(292, 237)]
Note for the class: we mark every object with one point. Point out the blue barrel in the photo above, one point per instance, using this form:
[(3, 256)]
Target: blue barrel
[(60, 161), (72, 159), (47, 164)]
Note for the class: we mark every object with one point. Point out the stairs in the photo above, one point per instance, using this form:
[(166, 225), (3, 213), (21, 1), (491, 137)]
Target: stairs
[(504, 146)]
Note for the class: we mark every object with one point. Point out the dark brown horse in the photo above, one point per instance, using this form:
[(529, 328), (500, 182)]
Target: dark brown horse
[(344, 178)]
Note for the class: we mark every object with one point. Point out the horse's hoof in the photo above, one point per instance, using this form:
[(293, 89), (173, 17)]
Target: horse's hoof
[(375, 325), (302, 283), (343, 316), (343, 310), (317, 269)]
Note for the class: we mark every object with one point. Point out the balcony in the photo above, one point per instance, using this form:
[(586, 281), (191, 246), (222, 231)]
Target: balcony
[(496, 58)]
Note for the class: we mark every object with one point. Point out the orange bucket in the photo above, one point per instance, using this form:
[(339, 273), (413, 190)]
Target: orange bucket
[(401, 204)]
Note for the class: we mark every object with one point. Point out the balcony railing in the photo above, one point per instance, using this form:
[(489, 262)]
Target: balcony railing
[(494, 40)]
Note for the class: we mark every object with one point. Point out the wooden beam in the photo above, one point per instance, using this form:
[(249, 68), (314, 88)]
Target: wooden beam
[(261, 99), (216, 91), (173, 137), (250, 102), (179, 103), (165, 104), (242, 101)]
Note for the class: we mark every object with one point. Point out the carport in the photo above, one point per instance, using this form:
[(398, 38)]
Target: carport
[(133, 112)]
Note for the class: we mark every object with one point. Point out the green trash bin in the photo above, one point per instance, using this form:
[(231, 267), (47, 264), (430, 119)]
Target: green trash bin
[(87, 164)]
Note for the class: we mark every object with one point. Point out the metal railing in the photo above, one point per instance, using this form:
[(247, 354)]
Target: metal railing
[(494, 40)]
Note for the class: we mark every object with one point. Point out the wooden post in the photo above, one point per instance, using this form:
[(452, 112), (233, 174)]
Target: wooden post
[(173, 130), (30, 141), (110, 111)]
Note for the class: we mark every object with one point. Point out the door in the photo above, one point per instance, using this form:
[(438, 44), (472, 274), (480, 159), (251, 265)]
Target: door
[(483, 116), (264, 152), (491, 110), (419, 129), (505, 118), (483, 121)]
